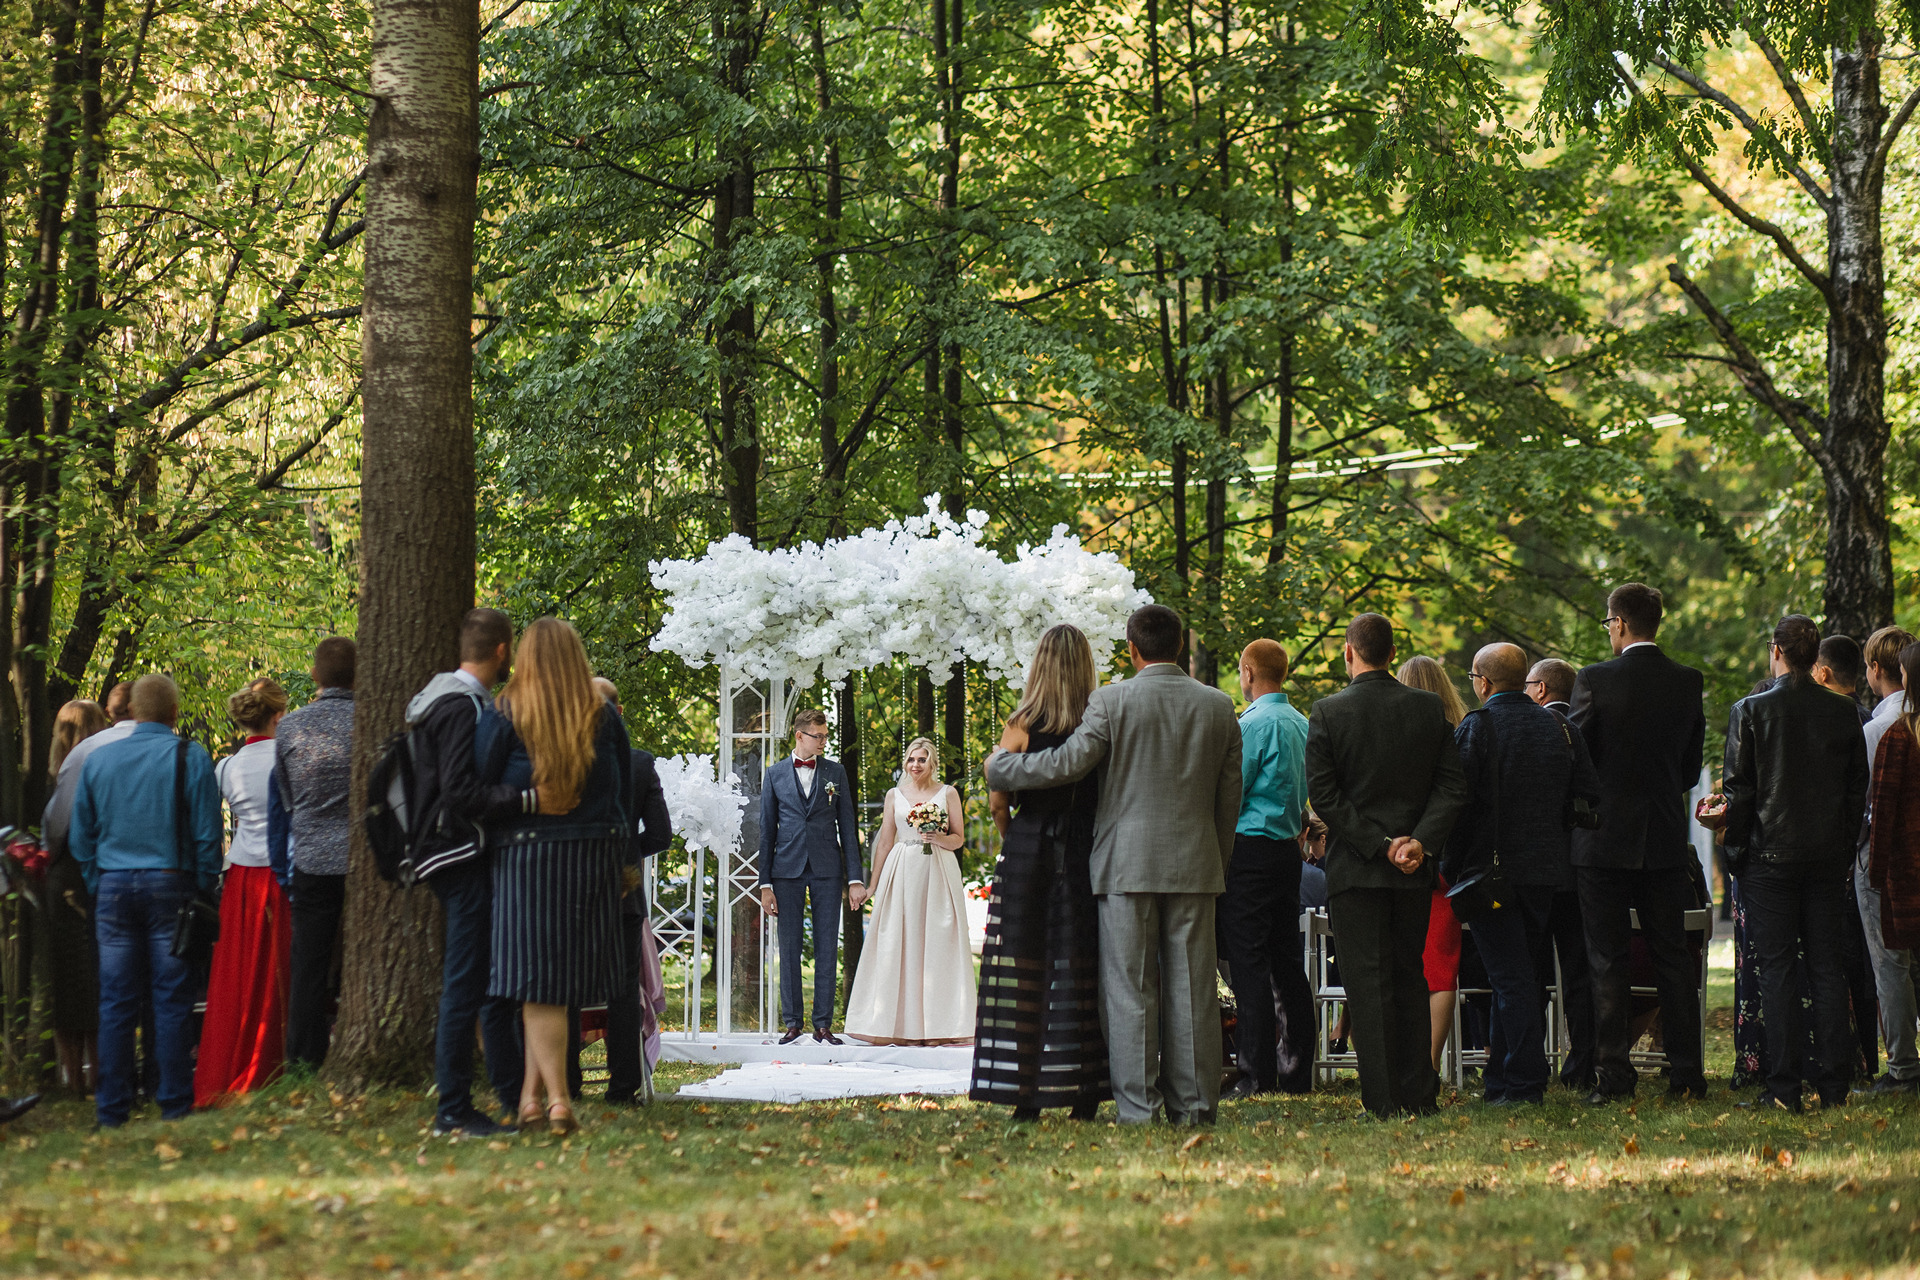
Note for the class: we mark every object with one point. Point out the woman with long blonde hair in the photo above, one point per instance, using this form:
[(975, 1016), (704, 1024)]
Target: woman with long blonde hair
[(75, 961), (1442, 956), (557, 871), (1039, 970)]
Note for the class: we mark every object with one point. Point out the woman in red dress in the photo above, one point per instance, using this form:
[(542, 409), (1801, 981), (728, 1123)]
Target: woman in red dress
[(243, 1040), (1442, 957)]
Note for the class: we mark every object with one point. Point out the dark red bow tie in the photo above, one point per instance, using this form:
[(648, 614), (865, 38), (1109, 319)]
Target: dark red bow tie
[(805, 764)]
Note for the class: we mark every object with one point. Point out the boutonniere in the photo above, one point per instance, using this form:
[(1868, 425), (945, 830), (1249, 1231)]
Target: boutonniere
[(833, 791)]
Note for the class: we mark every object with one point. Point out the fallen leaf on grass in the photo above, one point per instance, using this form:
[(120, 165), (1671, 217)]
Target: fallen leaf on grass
[(1458, 1198), (1632, 1147), (1193, 1142), (166, 1151), (1623, 1253), (1785, 1159)]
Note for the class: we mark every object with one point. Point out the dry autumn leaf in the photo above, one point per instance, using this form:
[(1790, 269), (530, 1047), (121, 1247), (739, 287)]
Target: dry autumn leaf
[(1458, 1198), (1632, 1146), (1193, 1142)]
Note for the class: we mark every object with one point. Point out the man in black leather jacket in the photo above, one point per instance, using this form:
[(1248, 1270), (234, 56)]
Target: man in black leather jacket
[(1795, 790)]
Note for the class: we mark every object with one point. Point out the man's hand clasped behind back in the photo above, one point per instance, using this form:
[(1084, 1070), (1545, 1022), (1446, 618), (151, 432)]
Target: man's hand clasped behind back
[(1407, 854)]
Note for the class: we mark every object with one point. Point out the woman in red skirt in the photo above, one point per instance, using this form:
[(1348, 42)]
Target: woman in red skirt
[(243, 1040)]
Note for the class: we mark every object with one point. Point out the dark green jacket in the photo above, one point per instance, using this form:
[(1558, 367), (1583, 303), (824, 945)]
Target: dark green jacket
[(1381, 764)]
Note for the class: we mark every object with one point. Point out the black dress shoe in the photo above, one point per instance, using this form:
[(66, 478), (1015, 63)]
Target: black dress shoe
[(1601, 1098), (14, 1108), (1772, 1102), (1687, 1092), (823, 1036), (1025, 1115), (793, 1033), (1244, 1087), (1085, 1111)]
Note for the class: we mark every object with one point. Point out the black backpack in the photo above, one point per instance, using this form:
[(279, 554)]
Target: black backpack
[(394, 825), (390, 809)]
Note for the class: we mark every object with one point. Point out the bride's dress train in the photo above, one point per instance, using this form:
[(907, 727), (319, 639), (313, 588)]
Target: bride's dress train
[(915, 981)]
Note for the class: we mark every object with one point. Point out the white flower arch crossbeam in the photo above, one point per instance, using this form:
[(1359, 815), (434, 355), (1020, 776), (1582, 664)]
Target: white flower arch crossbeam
[(926, 590)]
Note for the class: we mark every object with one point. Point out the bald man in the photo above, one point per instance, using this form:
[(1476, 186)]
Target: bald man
[(1258, 916), (1550, 684), (1525, 765)]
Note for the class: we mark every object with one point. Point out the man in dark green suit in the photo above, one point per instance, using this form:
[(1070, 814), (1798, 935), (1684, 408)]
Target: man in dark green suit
[(1383, 775)]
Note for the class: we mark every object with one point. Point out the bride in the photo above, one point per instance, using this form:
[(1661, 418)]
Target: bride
[(915, 982)]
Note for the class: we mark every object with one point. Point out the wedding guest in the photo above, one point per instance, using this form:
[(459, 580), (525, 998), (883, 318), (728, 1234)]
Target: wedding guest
[(1794, 792), (1441, 958), (123, 836), (558, 851), (652, 834), (915, 983), (72, 962), (12, 1109), (1163, 836), (1038, 1041), (1525, 767), (1259, 913), (1313, 858), (1839, 669), (1550, 685), (312, 772), (1893, 970), (119, 703), (243, 1036), (455, 859), (1383, 774), (1641, 717), (809, 861)]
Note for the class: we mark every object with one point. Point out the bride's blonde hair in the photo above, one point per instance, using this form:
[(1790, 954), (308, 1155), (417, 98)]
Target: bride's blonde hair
[(933, 755)]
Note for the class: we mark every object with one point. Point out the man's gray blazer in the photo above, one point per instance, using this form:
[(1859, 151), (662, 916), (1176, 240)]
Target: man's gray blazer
[(1171, 793)]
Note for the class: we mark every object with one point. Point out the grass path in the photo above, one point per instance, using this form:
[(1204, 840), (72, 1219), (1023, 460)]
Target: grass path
[(297, 1183)]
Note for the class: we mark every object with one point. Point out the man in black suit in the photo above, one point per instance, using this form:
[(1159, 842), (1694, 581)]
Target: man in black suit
[(1550, 685), (1383, 775), (1644, 726), (809, 856)]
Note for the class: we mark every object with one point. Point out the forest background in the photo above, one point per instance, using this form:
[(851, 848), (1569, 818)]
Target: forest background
[(1299, 307)]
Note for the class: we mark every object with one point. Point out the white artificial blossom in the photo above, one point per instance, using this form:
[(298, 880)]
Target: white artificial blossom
[(705, 809), (925, 589)]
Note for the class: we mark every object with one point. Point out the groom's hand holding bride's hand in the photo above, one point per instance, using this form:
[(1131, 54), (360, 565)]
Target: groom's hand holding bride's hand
[(1407, 854), (856, 896)]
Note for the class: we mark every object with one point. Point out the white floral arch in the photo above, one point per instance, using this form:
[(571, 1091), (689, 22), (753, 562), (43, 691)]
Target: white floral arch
[(926, 591)]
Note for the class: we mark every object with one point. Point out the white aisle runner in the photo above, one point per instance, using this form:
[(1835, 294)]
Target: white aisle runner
[(790, 1082)]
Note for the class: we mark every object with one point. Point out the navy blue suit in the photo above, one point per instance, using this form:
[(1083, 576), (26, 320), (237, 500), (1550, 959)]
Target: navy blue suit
[(809, 848)]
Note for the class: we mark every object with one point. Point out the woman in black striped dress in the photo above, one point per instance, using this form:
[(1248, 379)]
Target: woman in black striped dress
[(1038, 1042), (557, 872)]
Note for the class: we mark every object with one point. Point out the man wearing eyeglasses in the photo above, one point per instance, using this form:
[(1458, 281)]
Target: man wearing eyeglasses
[(1525, 767), (1645, 728), (809, 856)]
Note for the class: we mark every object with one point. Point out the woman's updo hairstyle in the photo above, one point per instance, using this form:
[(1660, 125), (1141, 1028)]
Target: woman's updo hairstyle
[(255, 706)]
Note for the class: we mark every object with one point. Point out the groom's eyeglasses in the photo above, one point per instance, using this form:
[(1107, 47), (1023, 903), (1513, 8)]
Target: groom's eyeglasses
[(817, 737)]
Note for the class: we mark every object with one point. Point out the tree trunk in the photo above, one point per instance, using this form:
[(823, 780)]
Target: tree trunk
[(1858, 596), (732, 216), (416, 485)]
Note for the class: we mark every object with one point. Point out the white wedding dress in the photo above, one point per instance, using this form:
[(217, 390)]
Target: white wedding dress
[(915, 981)]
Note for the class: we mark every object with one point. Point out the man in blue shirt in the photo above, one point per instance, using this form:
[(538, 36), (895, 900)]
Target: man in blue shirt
[(123, 837), (1259, 914)]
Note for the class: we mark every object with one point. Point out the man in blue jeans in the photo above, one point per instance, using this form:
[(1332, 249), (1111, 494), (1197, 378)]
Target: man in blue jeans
[(123, 837), (452, 858)]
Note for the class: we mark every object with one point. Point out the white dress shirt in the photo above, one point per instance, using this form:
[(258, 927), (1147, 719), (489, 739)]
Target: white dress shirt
[(805, 776)]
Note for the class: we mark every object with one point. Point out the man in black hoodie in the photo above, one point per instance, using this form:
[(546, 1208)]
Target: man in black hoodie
[(452, 858)]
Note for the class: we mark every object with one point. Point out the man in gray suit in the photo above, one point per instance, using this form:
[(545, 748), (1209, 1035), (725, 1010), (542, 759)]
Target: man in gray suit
[(1383, 775), (1162, 839)]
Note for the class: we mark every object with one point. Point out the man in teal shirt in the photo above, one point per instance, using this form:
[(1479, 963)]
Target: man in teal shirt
[(1259, 914)]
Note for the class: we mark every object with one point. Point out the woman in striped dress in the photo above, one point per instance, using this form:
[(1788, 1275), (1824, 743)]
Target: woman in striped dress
[(1038, 1041), (557, 871)]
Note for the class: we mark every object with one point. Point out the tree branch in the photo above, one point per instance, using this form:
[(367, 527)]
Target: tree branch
[(1765, 136), (1795, 414), (1894, 126), (1788, 81), (1753, 222)]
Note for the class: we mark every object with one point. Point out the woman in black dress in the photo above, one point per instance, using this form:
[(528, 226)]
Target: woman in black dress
[(1037, 1042), (557, 872)]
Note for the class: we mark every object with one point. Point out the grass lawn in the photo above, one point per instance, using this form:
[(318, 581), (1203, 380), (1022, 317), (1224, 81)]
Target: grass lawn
[(297, 1183)]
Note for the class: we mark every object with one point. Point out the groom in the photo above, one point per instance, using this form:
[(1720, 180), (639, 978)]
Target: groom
[(1162, 838), (809, 849)]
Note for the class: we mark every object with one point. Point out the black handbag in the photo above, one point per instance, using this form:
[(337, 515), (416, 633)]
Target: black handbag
[(196, 927), (1484, 890)]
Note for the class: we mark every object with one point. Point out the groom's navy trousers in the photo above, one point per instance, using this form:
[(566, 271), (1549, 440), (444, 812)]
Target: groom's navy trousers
[(790, 897)]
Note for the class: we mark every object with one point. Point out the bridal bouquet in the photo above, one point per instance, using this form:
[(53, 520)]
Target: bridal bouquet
[(928, 818)]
